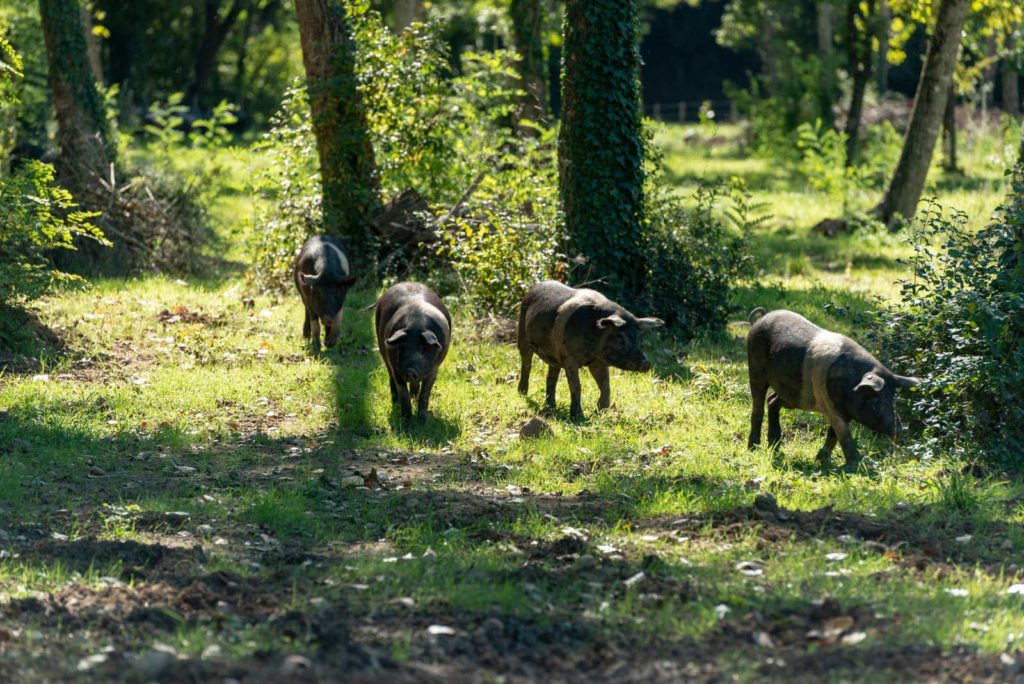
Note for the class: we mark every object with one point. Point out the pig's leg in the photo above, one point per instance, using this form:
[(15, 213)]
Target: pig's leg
[(394, 387), (524, 370), (757, 393), (305, 324), (405, 401), (774, 424), (830, 443), (600, 374), (423, 400), (549, 391), (845, 438), (575, 405), (314, 324)]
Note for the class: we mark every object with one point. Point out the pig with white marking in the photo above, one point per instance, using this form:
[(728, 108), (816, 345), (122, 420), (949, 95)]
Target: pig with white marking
[(323, 277), (814, 369)]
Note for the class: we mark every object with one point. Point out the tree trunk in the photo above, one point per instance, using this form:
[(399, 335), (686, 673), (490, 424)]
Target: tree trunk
[(85, 143), (406, 12), (826, 58), (929, 103), (1010, 81), (884, 29), (348, 168), (215, 30), (527, 16), (949, 131), (859, 45), (92, 46), (600, 150)]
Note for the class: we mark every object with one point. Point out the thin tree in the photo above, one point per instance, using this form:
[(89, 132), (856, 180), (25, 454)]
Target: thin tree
[(1010, 79), (348, 168), (826, 58), (859, 36), (929, 105), (86, 146), (406, 12), (216, 27), (527, 26), (600, 148)]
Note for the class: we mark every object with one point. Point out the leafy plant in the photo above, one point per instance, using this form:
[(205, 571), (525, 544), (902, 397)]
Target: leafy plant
[(36, 215), (960, 326), (693, 258)]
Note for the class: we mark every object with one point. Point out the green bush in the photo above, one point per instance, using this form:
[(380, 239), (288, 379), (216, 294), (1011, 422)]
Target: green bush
[(960, 327), (694, 256), (36, 215), (432, 132)]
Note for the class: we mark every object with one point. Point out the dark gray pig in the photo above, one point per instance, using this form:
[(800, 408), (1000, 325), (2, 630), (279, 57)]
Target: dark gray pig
[(571, 329), (813, 369), (414, 330), (323, 276)]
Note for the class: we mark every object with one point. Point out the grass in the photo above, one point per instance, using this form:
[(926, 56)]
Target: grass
[(217, 430)]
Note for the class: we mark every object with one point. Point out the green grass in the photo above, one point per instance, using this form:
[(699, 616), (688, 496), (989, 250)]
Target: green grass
[(229, 420)]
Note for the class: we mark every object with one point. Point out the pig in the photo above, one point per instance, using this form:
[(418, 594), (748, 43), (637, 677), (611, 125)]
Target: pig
[(572, 328), (813, 369), (323, 277), (414, 331)]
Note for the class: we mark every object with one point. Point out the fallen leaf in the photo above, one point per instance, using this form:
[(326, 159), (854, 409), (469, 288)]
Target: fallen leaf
[(440, 630), (764, 640), (836, 556)]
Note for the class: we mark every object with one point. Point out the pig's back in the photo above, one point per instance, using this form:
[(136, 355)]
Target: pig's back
[(538, 313), (401, 299)]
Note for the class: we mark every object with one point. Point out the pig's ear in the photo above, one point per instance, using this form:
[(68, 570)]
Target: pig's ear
[(431, 339), (348, 281), (649, 323), (903, 381), (617, 321), (870, 381), (394, 339)]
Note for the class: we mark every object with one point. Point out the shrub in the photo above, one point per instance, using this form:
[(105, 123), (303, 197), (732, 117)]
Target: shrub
[(960, 327), (432, 132), (37, 216), (693, 258)]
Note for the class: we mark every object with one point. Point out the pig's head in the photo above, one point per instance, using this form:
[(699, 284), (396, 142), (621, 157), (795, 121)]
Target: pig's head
[(414, 353), (327, 297), (620, 340), (874, 401)]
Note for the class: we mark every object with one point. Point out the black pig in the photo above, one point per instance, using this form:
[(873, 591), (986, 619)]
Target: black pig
[(323, 277), (414, 330), (816, 370), (569, 328)]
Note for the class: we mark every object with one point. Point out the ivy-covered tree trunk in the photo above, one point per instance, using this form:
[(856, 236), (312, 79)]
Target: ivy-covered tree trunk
[(348, 168), (600, 148), (884, 30), (86, 146), (527, 26), (929, 105)]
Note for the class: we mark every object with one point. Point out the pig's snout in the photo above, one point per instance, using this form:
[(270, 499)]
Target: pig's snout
[(643, 366), (411, 375)]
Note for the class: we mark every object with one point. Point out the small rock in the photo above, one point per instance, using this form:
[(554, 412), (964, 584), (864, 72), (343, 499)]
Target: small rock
[(533, 428), (440, 630), (89, 662), (210, 652), (156, 660), (204, 530), (295, 663)]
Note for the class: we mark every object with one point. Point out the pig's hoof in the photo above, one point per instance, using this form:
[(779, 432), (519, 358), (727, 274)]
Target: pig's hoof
[(852, 465)]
